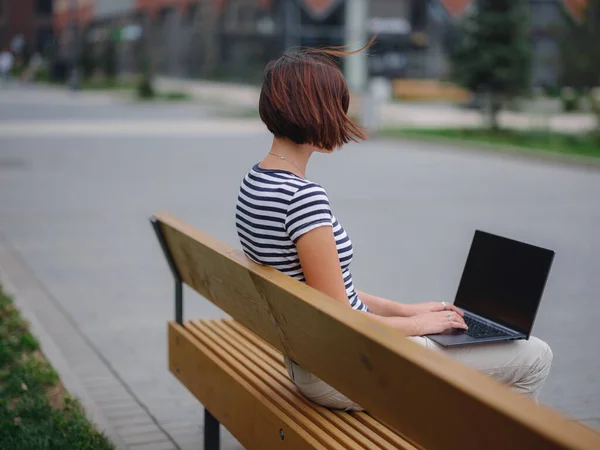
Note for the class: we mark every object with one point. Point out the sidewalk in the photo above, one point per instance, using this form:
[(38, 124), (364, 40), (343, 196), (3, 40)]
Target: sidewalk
[(398, 114)]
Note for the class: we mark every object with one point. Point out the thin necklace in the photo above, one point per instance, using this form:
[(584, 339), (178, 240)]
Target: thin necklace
[(285, 159)]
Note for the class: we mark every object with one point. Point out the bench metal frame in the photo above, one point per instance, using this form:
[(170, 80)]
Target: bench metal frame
[(212, 435)]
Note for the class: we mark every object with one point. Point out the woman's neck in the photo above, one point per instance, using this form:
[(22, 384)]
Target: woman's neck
[(286, 155)]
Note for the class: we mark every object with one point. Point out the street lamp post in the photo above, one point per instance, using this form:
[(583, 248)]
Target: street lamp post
[(356, 66), (356, 22)]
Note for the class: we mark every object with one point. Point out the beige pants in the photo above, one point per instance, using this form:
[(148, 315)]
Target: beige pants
[(522, 365)]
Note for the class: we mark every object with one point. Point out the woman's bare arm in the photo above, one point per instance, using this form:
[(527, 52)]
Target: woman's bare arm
[(321, 266), (382, 306)]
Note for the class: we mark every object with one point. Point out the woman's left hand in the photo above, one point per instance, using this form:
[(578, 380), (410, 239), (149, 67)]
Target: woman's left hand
[(423, 308)]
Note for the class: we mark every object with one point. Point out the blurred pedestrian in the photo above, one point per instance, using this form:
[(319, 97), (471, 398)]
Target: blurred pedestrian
[(6, 64)]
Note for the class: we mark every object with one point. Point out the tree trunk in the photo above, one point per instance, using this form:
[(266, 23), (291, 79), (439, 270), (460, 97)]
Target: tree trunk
[(494, 104), (594, 99)]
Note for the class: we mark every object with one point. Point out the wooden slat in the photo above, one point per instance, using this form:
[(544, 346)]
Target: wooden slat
[(237, 333), (407, 386), (268, 349), (246, 412), (289, 402), (324, 438), (372, 429), (381, 429), (346, 423)]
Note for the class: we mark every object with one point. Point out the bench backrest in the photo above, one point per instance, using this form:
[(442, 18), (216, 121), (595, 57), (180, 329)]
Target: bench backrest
[(431, 400)]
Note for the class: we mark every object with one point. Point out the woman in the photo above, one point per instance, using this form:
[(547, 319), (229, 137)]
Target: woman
[(285, 221)]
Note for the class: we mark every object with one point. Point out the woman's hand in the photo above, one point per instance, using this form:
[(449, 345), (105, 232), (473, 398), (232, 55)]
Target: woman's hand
[(423, 308), (436, 322)]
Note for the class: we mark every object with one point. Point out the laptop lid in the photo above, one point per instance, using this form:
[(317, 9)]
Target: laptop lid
[(504, 280)]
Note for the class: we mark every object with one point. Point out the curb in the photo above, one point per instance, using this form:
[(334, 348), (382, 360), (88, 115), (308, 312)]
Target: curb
[(51, 351)]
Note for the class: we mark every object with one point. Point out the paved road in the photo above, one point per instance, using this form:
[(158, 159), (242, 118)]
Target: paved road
[(75, 207)]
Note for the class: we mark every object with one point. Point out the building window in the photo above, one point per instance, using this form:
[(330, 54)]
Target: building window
[(44, 7)]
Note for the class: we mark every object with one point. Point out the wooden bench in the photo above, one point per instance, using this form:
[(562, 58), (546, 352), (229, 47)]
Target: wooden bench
[(416, 398), (412, 89)]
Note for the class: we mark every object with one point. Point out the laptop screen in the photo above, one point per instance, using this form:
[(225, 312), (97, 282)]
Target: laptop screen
[(504, 280)]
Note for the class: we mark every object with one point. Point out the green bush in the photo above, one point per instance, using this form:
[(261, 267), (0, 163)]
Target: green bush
[(146, 88), (42, 75), (570, 99)]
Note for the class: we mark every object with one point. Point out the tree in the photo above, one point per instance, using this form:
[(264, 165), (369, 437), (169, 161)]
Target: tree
[(580, 57), (493, 52)]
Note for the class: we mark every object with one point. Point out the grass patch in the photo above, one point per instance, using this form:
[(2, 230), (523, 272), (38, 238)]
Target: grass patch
[(172, 96), (570, 144), (125, 86), (105, 85), (245, 113), (35, 411)]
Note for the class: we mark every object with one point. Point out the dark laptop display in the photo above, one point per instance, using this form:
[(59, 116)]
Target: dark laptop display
[(500, 290), (504, 280)]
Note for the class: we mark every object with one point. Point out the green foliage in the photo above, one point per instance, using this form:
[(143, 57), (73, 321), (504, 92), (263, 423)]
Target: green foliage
[(176, 96), (493, 51), (146, 86), (145, 89), (35, 414), (543, 141), (570, 99), (42, 75)]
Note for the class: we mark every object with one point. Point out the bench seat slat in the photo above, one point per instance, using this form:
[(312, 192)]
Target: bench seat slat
[(326, 418), (257, 341), (290, 400), (391, 436), (250, 415), (203, 335), (379, 435)]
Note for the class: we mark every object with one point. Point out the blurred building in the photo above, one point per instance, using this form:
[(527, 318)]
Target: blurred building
[(25, 25), (233, 39), (549, 18)]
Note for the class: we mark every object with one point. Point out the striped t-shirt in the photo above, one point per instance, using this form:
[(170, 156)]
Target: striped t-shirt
[(275, 208)]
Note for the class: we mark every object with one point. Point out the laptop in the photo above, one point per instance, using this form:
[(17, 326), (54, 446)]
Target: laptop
[(500, 291)]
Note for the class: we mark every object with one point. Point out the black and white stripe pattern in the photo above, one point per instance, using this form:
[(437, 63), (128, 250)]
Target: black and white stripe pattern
[(274, 209)]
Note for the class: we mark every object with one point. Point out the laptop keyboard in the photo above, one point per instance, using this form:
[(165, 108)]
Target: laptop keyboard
[(479, 329)]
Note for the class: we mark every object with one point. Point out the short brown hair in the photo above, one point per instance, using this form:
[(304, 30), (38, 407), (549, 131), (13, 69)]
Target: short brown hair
[(305, 99)]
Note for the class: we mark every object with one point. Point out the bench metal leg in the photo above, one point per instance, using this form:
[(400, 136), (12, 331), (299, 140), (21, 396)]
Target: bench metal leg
[(211, 431)]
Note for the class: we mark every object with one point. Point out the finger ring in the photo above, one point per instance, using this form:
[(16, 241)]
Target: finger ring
[(449, 316), (444, 303)]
